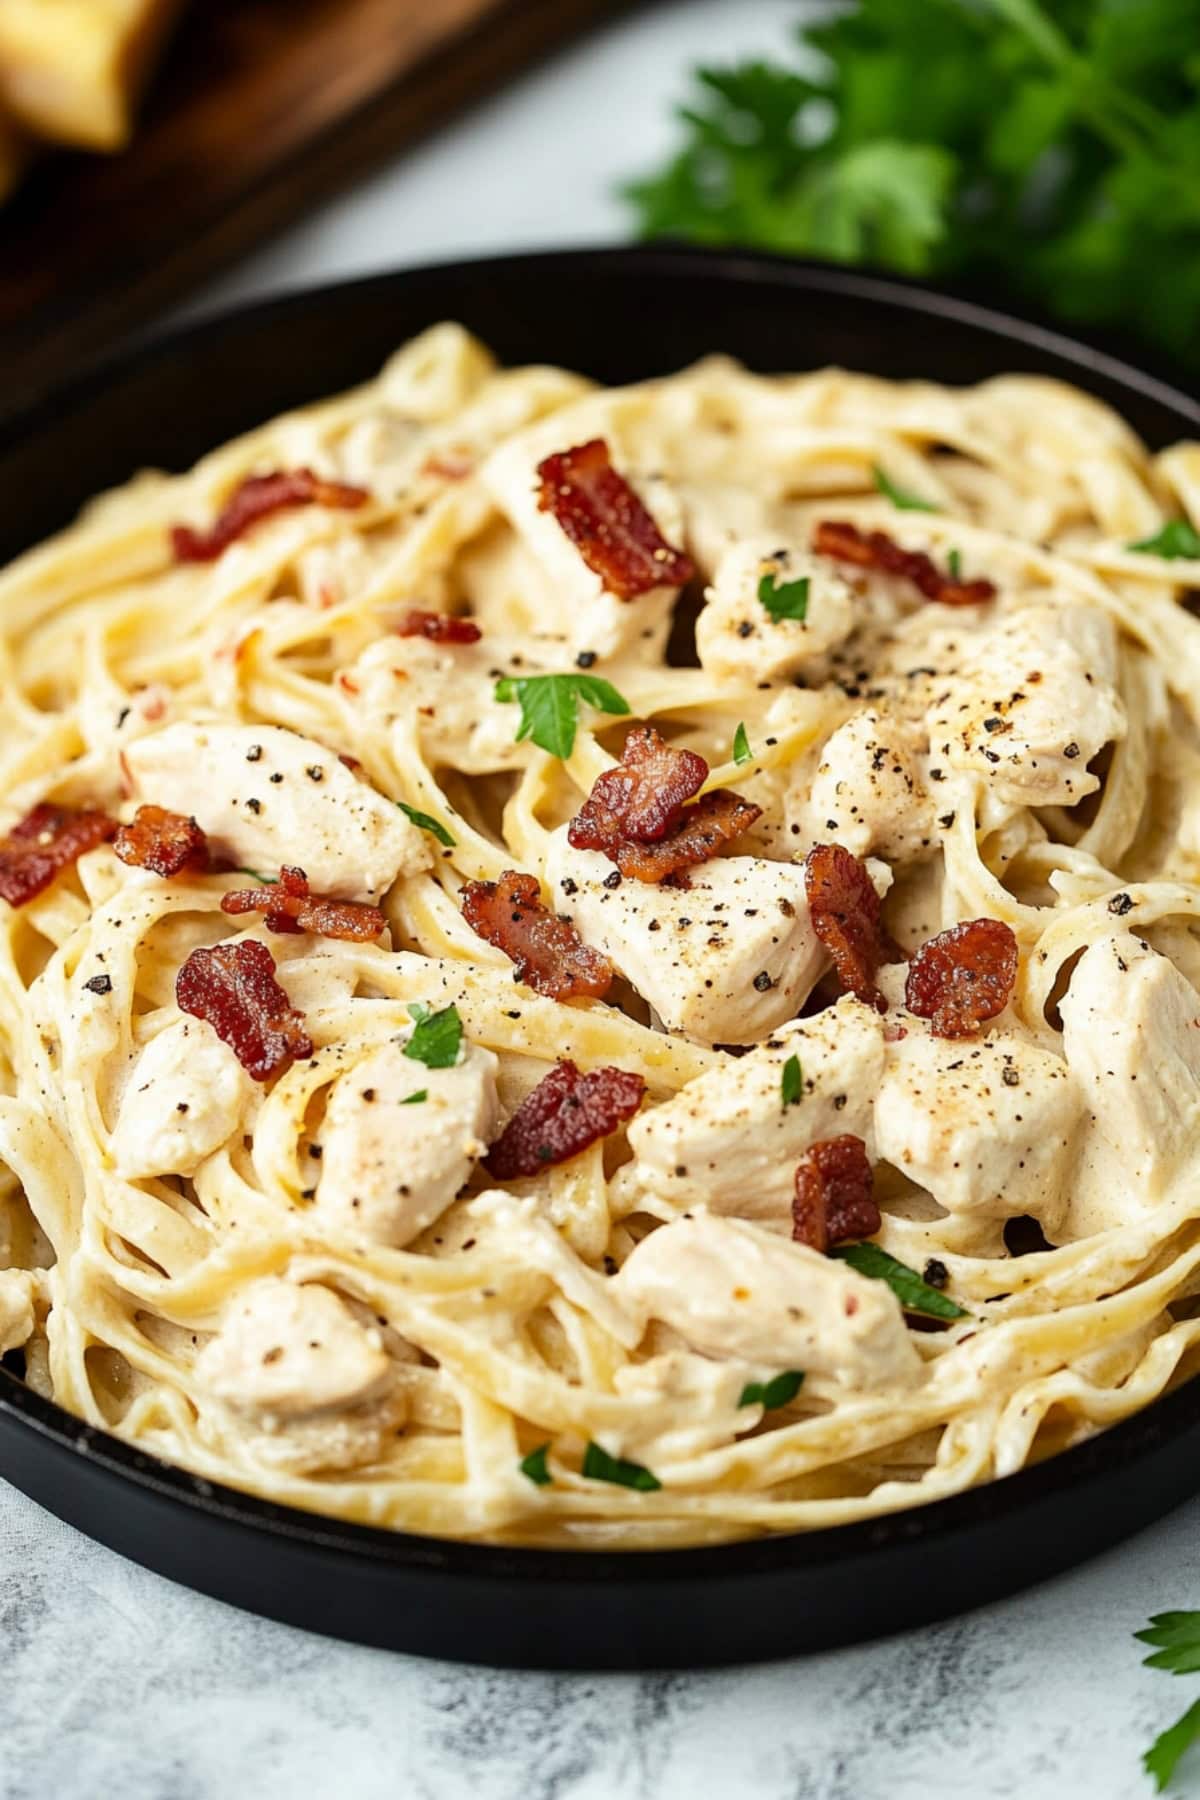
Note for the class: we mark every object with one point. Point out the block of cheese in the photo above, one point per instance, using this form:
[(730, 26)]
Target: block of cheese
[(72, 70)]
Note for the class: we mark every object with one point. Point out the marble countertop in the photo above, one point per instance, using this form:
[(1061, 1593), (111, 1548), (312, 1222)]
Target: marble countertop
[(120, 1686)]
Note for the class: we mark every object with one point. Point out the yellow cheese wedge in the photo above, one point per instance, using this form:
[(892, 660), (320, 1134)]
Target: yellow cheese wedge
[(71, 70)]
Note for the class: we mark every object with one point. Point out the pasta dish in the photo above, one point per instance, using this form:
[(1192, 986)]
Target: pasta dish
[(609, 967)]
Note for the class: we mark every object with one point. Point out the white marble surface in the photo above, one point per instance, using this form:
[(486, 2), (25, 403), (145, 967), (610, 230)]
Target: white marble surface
[(119, 1686)]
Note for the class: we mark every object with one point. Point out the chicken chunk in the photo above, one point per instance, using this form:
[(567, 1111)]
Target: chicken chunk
[(448, 692), (728, 1141), (723, 961), (986, 1125), (732, 1290), (291, 1352), (736, 635), (869, 791), (1032, 702), (392, 1162), (267, 796), (185, 1097), (1131, 1032)]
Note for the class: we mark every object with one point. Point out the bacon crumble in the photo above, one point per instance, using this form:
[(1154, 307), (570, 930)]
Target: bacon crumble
[(963, 977), (289, 906), (549, 954), (563, 1115), (46, 841), (833, 1200), (876, 550), (256, 498), (607, 522), (845, 913), (232, 987), (439, 628), (164, 842)]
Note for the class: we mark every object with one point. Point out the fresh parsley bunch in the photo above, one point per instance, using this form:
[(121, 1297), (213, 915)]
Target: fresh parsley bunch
[(1051, 154)]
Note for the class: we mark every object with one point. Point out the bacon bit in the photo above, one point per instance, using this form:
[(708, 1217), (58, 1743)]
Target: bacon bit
[(713, 821), (46, 841), (289, 906), (164, 842), (876, 550), (255, 498), (232, 987), (833, 1201), (565, 1113), (603, 517), (440, 628), (350, 762), (549, 954), (845, 916), (962, 977), (449, 465), (348, 685)]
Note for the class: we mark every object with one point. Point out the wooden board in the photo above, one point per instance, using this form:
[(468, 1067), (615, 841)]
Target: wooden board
[(263, 108)]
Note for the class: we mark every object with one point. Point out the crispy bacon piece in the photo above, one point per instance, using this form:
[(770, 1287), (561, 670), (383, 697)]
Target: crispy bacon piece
[(876, 550), (440, 628), (42, 844), (565, 1113), (845, 915), (549, 954), (289, 906), (962, 977), (233, 988), (255, 498), (715, 820), (833, 1201), (607, 523), (165, 842)]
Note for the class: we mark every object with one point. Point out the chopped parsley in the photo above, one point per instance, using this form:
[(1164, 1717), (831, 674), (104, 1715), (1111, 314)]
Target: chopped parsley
[(256, 875), (791, 1083), (899, 497), (914, 1295), (1175, 1637), (776, 1392), (533, 1466), (550, 706), (427, 823), (784, 599), (1177, 538), (415, 1099), (742, 753), (598, 1465), (437, 1036), (954, 564)]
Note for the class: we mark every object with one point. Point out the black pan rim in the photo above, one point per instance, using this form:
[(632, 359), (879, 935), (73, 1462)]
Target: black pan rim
[(1121, 1447)]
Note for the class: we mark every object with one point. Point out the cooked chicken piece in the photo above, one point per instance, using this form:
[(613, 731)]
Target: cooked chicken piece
[(16, 1308), (392, 1162), (985, 1124), (723, 961), (731, 1289), (685, 1405), (185, 1097), (869, 791), (289, 1352), (727, 1141), (448, 692), (1131, 1032), (1034, 699), (266, 796), (736, 635)]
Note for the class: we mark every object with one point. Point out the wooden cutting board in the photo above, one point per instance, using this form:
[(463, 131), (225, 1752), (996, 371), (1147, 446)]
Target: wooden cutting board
[(262, 108)]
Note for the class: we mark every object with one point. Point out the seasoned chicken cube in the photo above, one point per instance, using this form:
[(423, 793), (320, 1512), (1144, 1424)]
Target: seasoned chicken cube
[(399, 1140), (869, 791), (1032, 702), (728, 1141), (736, 635), (733, 1290), (267, 796), (286, 1351), (1131, 1032), (723, 961), (448, 693), (185, 1097), (986, 1125)]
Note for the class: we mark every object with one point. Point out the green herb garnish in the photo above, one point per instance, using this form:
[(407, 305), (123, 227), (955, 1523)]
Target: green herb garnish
[(784, 599), (598, 1465), (899, 497), (742, 753), (954, 565), (550, 706), (776, 1392), (534, 1466), (1160, 1759), (256, 875), (1175, 1637), (437, 1036), (415, 1099), (914, 1295), (791, 1083), (1177, 538), (427, 823)]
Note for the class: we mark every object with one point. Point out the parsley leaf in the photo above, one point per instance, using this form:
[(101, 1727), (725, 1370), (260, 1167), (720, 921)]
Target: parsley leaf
[(550, 706), (1160, 1759), (1177, 1635), (437, 1036), (1177, 538), (791, 1083), (914, 1295), (784, 599), (534, 1466), (742, 753), (415, 1099), (954, 565), (776, 1392), (257, 875), (598, 1465), (427, 823), (899, 497)]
